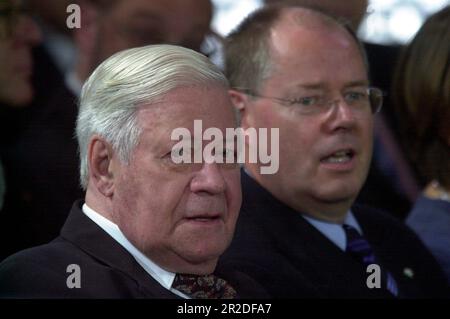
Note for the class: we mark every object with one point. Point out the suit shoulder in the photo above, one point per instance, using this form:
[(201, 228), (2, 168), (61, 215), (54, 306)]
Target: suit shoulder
[(378, 218), (38, 272), (26, 272)]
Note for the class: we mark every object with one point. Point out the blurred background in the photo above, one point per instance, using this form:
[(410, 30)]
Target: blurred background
[(387, 21)]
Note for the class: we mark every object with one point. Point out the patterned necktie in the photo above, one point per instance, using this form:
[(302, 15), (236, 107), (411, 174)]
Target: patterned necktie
[(203, 287), (359, 248)]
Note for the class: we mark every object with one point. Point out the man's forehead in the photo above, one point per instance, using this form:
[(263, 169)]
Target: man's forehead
[(184, 105), (315, 48)]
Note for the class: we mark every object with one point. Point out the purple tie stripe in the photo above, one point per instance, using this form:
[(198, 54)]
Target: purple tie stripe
[(360, 249)]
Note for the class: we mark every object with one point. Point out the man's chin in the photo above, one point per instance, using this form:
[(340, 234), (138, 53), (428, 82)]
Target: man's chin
[(341, 190), (201, 264), (338, 196)]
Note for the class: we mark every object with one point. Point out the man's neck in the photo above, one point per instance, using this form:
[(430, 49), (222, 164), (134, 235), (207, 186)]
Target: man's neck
[(99, 206)]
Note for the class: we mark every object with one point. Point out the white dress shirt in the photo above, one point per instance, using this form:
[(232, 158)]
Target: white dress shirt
[(164, 277)]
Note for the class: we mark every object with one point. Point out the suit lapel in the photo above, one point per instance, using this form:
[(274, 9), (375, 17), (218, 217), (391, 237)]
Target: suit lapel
[(306, 248), (383, 242), (90, 238)]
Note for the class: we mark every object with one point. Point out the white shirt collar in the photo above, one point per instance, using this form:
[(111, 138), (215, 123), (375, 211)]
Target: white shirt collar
[(164, 277), (335, 232)]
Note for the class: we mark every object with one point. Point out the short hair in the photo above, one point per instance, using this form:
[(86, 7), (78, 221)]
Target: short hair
[(112, 95), (247, 48), (421, 97)]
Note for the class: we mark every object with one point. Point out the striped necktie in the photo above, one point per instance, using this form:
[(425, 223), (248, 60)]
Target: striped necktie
[(203, 287), (359, 248)]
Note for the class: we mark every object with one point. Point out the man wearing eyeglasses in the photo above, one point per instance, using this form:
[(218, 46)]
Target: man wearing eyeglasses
[(299, 233)]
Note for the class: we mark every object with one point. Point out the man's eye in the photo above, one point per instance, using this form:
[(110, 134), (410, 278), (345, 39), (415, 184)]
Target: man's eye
[(355, 96), (178, 154), (230, 153), (306, 101)]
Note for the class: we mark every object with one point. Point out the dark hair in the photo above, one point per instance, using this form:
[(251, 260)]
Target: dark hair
[(247, 53), (421, 95)]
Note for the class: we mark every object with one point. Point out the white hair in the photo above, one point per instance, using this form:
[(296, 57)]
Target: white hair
[(127, 80)]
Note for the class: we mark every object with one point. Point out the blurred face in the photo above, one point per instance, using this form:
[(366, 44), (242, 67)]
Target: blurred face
[(324, 157), (134, 23), (180, 215), (18, 34)]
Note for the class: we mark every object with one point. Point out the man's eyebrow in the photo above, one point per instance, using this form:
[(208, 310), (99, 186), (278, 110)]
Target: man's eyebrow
[(312, 86), (357, 83), (318, 86)]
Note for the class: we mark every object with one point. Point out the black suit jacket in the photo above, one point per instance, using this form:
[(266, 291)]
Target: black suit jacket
[(282, 251), (107, 269)]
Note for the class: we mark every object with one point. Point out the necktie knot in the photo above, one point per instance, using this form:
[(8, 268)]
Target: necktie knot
[(203, 287), (358, 246)]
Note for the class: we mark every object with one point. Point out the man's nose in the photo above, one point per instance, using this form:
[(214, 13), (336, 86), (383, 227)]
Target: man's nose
[(341, 116), (209, 179)]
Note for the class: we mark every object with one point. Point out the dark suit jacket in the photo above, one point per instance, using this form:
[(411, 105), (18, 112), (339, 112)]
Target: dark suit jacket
[(107, 269), (282, 251), (40, 158)]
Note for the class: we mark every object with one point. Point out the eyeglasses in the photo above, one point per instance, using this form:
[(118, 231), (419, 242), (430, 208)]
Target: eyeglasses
[(363, 99), (9, 18)]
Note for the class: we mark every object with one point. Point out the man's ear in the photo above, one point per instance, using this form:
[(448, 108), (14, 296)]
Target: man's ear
[(240, 102), (101, 168)]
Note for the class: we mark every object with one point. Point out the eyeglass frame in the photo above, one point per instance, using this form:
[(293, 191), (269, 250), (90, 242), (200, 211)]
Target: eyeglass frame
[(291, 102)]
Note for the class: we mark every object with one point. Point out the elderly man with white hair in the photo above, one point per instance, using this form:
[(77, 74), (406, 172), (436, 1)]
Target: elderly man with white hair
[(148, 227)]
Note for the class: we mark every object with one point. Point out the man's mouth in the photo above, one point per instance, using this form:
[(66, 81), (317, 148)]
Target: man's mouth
[(341, 156), (204, 217)]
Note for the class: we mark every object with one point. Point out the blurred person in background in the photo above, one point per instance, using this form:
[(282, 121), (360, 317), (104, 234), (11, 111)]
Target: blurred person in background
[(41, 155), (422, 99), (18, 34)]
